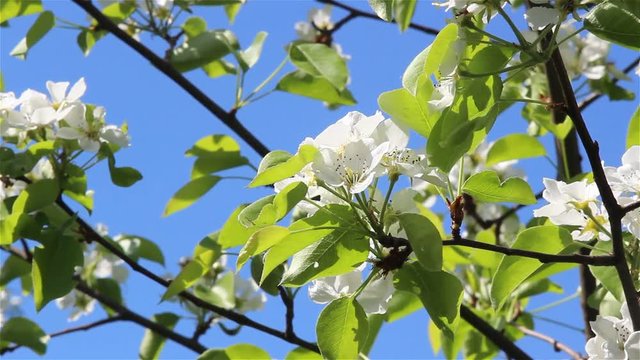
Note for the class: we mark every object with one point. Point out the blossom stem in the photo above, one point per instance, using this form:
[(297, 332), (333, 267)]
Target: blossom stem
[(266, 81), (366, 282), (497, 39), (555, 303), (514, 28), (532, 101), (387, 196), (460, 176)]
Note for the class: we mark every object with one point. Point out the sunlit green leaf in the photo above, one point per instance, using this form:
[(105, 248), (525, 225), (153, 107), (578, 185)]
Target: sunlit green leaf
[(279, 165), (236, 352), (13, 8), (190, 193), (425, 240), (43, 24), (515, 146), (633, 133), (322, 61), (152, 343), (382, 8), (486, 186), (342, 329), (203, 49), (617, 21), (315, 87), (24, 332)]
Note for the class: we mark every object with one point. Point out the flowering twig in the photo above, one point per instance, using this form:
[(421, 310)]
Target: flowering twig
[(241, 319), (227, 117), (557, 345), (353, 12), (591, 98), (70, 330)]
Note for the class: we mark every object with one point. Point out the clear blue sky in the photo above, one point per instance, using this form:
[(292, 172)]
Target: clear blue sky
[(164, 121)]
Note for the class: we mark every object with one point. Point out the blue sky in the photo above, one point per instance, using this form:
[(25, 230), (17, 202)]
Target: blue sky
[(164, 121)]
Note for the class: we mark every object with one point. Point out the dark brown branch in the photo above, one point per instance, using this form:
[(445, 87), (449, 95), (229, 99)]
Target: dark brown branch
[(557, 345), (364, 14), (241, 319), (202, 328), (125, 313), (631, 207), (498, 338), (70, 330), (287, 300), (129, 315), (593, 97), (614, 210), (227, 117), (600, 260)]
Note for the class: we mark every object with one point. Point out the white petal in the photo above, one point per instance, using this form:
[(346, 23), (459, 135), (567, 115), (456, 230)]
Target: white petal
[(77, 90), (539, 17), (57, 90), (89, 144), (375, 297), (113, 135), (69, 133), (75, 117), (43, 116)]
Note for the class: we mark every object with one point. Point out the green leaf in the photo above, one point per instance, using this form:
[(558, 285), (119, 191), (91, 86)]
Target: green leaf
[(14, 8), (321, 61), (119, 11), (404, 10), (278, 165), (53, 268), (110, 289), (342, 329), (439, 48), (24, 332), (425, 240), (189, 274), (36, 196), (202, 49), (233, 233), (152, 343), (88, 38), (259, 213), (617, 21), (289, 197), (141, 247), (414, 71), (43, 24), (236, 352), (513, 270), (382, 8), (315, 87), (607, 275), (121, 176), (465, 124), (190, 193), (219, 68), (403, 303), (271, 281), (260, 241), (515, 146), (194, 26), (250, 57), (405, 109), (337, 253), (300, 353), (13, 268), (486, 186), (304, 233), (633, 133), (440, 293), (215, 153)]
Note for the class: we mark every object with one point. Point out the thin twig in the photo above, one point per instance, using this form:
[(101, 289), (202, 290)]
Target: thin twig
[(631, 207), (498, 338), (360, 13), (288, 303), (557, 345), (591, 98), (227, 117), (70, 330)]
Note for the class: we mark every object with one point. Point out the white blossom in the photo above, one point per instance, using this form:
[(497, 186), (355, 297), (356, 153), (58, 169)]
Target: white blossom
[(9, 305), (374, 299), (10, 187), (80, 304), (248, 295), (615, 338), (539, 17)]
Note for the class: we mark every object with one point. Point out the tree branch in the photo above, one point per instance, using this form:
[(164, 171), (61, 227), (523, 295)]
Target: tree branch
[(241, 319), (614, 210), (288, 303), (360, 13), (629, 208), (227, 117), (129, 315), (557, 345), (70, 330), (505, 344), (125, 313), (593, 97), (600, 260)]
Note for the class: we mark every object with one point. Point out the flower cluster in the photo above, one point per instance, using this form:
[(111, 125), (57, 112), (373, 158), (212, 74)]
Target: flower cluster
[(317, 29), (615, 338), (61, 115), (577, 203)]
